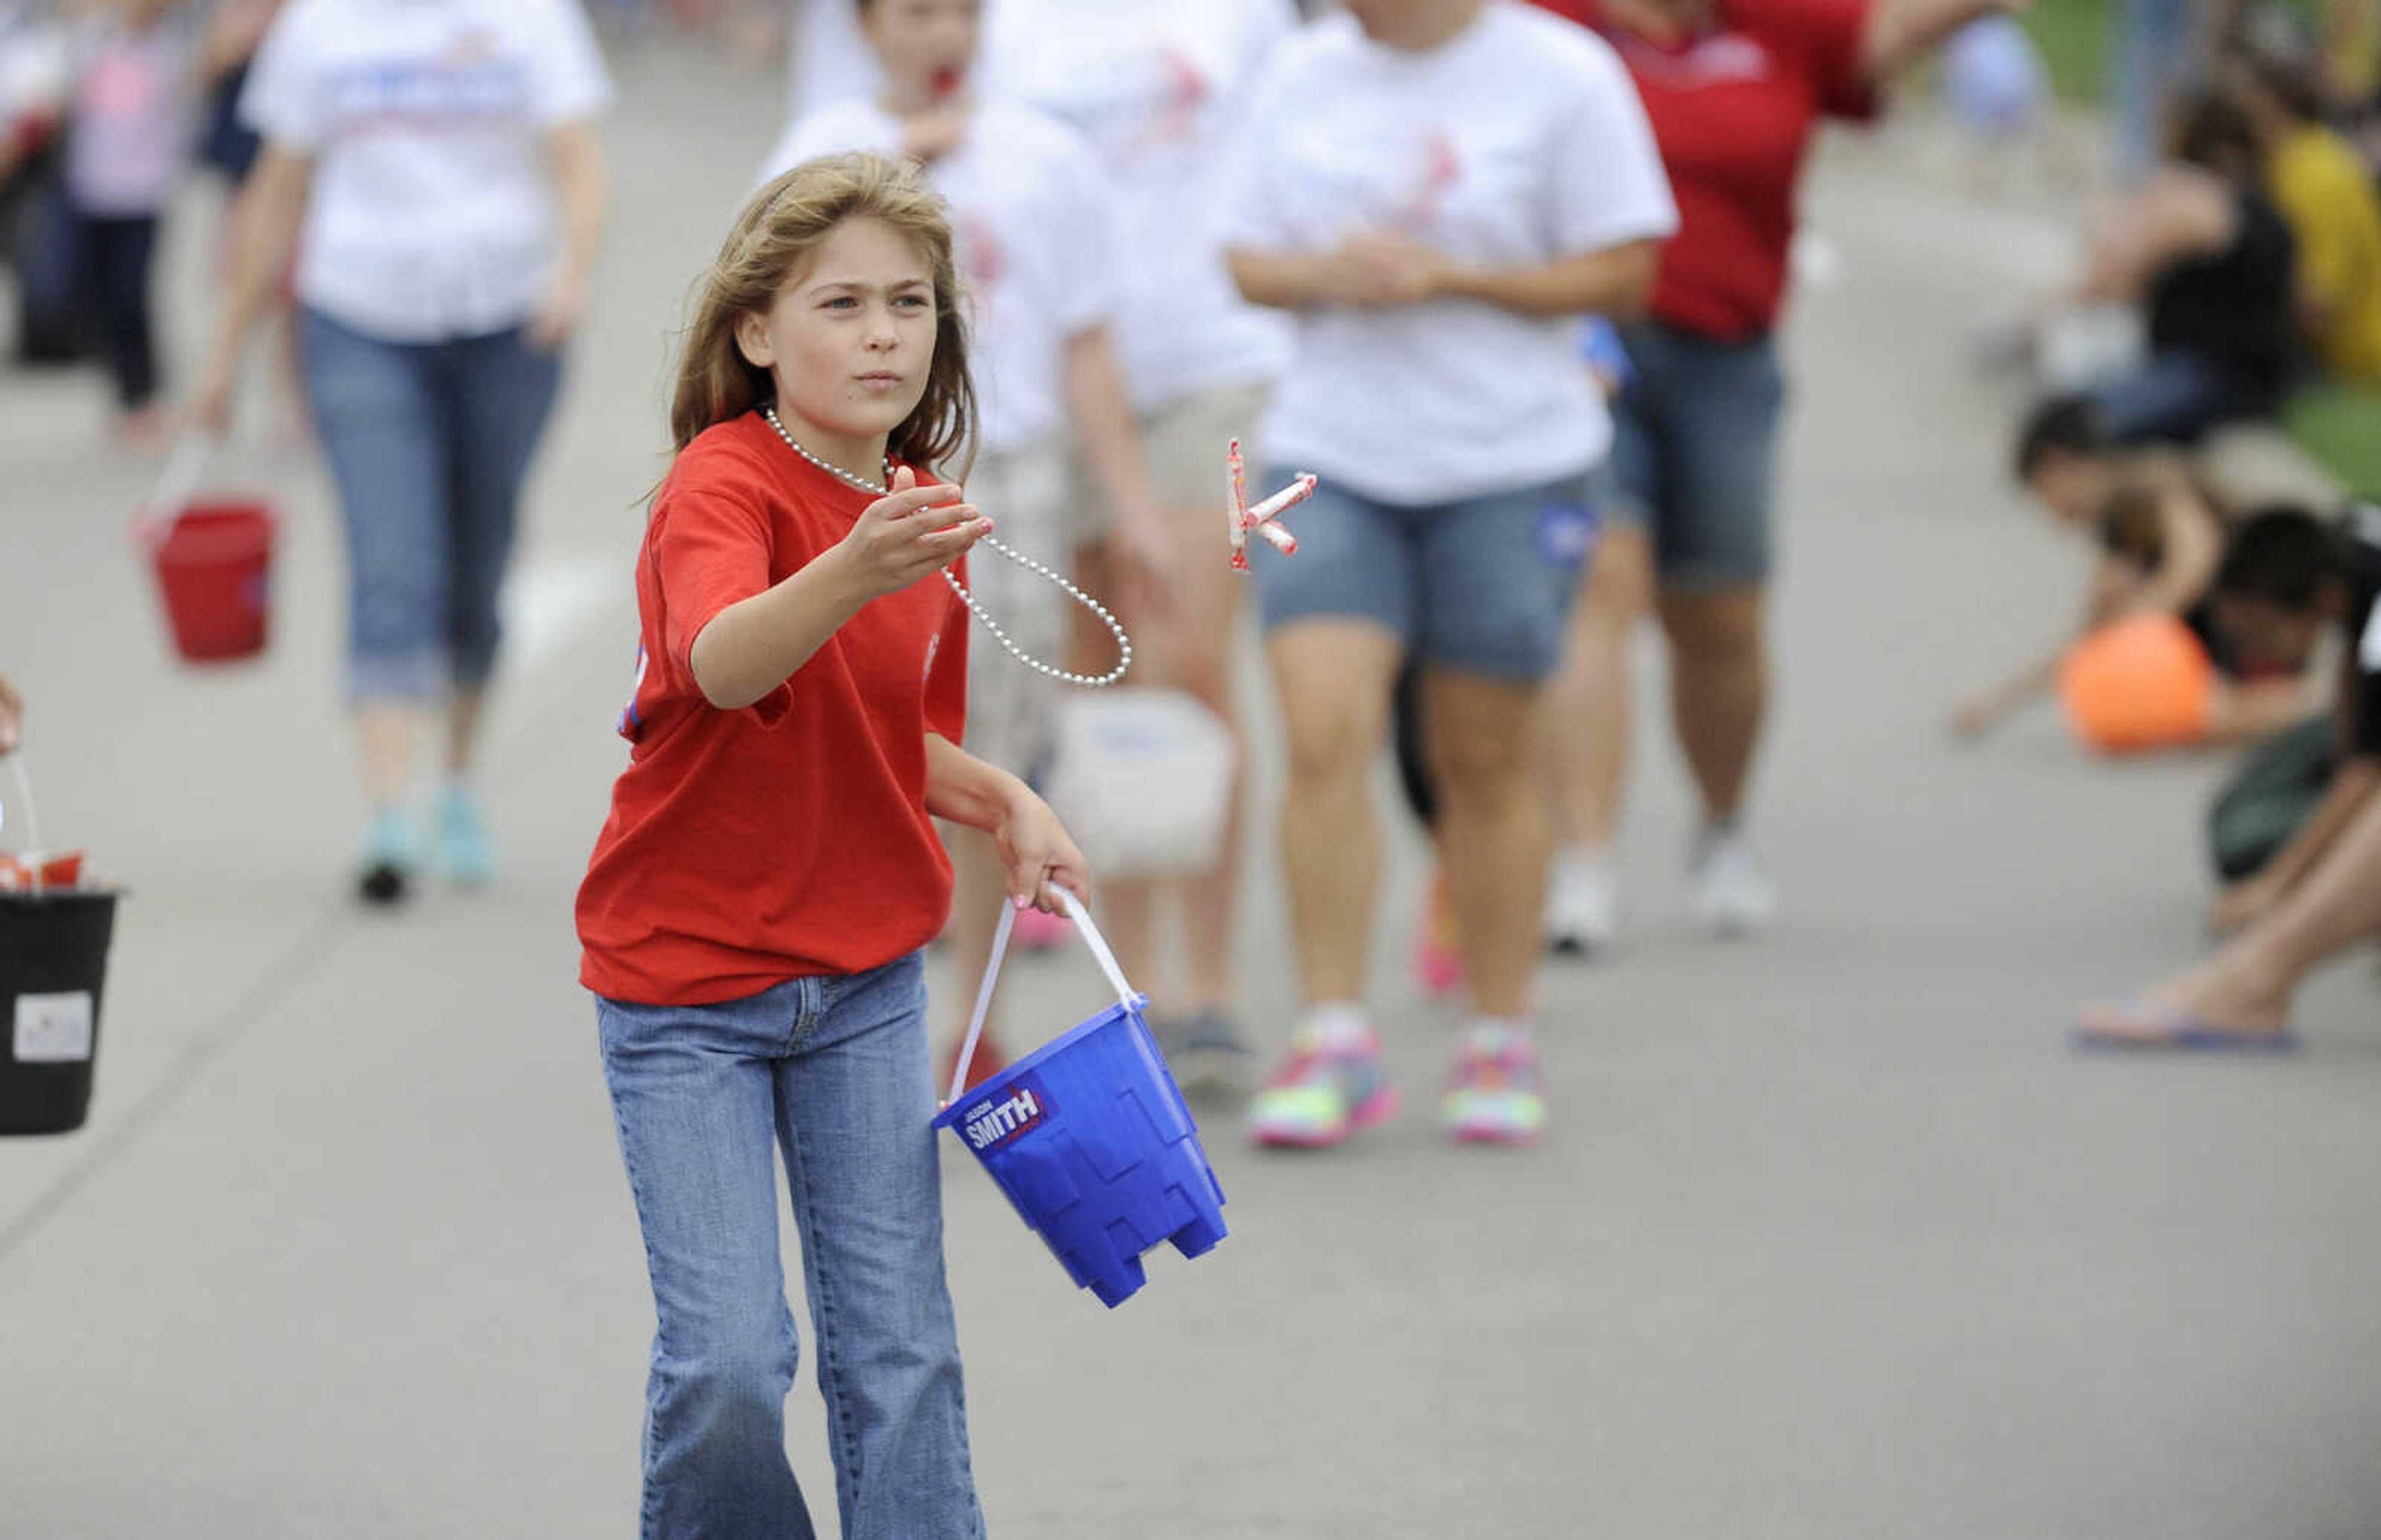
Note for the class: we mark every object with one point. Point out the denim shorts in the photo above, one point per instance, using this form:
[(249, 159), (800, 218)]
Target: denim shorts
[(1481, 586), (1695, 454)]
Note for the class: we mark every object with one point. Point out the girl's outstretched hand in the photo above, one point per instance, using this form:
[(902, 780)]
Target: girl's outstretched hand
[(911, 532), (1039, 857)]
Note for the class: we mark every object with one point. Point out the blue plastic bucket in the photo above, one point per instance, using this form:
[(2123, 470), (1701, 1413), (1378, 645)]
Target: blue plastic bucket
[(1092, 1141)]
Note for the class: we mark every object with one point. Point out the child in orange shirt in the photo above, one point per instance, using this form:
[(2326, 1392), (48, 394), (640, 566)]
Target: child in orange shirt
[(753, 913)]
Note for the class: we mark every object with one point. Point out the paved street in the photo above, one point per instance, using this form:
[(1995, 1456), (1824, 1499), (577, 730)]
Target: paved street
[(1833, 1236)]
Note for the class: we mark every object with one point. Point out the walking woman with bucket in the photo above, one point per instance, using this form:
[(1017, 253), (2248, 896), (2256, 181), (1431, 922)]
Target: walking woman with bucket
[(755, 911), (442, 157)]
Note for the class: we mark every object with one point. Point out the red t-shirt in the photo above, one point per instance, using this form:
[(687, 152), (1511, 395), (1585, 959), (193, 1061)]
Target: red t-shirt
[(790, 838), (1732, 110)]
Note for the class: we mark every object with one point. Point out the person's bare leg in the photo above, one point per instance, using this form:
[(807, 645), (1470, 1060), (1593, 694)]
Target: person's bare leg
[(1492, 831), (1206, 594), (1333, 678), (1719, 689), (2248, 984), (465, 713), (386, 734), (1590, 704), (1128, 907)]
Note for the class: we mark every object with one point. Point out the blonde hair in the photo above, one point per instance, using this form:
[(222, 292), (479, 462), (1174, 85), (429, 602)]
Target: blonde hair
[(776, 234)]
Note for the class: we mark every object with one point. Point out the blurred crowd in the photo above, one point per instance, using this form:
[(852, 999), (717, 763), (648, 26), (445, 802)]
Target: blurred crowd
[(1337, 319)]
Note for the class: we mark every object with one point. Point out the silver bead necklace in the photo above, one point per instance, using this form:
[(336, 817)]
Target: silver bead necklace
[(1124, 643)]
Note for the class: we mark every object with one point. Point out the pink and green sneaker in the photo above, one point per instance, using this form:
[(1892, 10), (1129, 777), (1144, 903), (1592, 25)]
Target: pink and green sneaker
[(1331, 1086), (1493, 1097)]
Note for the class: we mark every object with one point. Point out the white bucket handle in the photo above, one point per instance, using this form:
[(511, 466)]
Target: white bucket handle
[(1092, 938), (32, 818)]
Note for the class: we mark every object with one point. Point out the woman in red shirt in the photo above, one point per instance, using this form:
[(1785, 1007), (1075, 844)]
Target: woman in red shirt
[(753, 913), (1734, 88)]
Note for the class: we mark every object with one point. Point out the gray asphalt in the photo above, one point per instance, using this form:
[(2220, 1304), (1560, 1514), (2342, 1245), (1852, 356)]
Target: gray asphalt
[(1832, 1236)]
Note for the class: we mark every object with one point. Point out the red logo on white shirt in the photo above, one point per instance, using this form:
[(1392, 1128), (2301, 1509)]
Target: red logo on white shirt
[(1182, 96), (1441, 170), (981, 258)]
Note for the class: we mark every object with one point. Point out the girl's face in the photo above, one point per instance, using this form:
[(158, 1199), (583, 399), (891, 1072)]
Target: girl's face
[(925, 47), (850, 338)]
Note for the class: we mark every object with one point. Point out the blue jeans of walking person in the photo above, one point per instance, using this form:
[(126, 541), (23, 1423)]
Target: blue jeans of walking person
[(832, 1073), (429, 444)]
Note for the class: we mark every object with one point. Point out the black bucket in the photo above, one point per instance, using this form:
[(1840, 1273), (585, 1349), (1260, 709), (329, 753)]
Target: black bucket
[(53, 961)]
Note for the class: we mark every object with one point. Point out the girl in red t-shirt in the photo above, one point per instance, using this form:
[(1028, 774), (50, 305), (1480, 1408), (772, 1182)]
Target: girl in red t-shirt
[(754, 912)]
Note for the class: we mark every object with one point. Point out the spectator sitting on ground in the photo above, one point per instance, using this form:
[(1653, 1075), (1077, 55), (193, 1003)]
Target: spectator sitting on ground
[(2322, 891), (2204, 254), (2326, 194)]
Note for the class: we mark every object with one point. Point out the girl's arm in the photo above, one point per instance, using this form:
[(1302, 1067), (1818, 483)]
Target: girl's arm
[(756, 644), (582, 189), (1032, 845), (2184, 212), (1900, 30), (2189, 553), (275, 206), (2116, 585)]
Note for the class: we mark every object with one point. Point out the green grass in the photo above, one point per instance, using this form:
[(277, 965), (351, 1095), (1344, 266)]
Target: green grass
[(2078, 39), (2340, 426)]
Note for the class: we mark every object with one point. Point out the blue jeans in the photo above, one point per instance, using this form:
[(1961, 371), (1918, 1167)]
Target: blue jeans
[(429, 444), (1694, 450), (832, 1072), (1482, 586), (2175, 397)]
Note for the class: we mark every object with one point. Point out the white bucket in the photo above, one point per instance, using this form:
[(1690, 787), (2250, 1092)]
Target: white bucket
[(1142, 779)]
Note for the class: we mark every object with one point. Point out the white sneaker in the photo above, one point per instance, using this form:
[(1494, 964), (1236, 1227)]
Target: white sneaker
[(1582, 904), (1728, 894)]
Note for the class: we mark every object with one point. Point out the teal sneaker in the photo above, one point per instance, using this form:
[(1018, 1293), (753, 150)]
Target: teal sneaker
[(1493, 1097), (388, 857), (1323, 1092), (466, 854)]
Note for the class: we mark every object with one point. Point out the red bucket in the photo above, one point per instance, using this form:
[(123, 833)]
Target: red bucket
[(214, 562)]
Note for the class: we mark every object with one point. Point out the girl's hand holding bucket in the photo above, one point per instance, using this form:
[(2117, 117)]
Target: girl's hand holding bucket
[(1040, 856), (12, 716)]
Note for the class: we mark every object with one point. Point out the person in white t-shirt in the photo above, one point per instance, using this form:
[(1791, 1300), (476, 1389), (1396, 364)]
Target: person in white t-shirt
[(1157, 88), (1436, 189), (1034, 224), (443, 158), (829, 62)]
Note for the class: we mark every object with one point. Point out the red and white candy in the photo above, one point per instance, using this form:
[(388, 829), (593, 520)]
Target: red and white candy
[(1262, 518)]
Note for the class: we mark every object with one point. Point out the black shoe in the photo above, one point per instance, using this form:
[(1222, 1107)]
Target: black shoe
[(382, 882), (1205, 1052)]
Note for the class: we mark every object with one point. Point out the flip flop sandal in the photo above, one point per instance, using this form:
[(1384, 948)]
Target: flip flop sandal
[(2155, 1027)]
